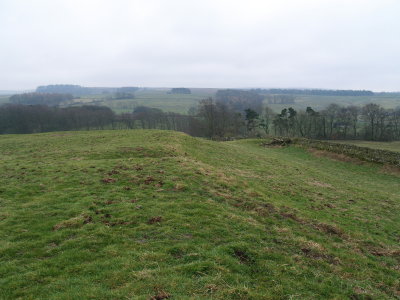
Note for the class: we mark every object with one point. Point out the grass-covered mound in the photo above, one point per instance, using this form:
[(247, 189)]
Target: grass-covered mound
[(157, 214)]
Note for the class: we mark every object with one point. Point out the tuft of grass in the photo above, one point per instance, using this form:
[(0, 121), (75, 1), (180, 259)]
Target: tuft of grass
[(147, 214)]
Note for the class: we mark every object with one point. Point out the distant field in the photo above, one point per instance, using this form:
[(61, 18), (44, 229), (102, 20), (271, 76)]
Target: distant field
[(180, 103), (321, 102), (156, 98), (3, 99), (392, 146)]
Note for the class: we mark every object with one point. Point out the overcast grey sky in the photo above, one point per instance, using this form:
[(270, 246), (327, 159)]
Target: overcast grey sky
[(206, 43)]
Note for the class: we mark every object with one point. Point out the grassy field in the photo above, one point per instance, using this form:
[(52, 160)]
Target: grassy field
[(159, 98), (157, 214), (4, 99), (321, 102), (391, 146), (156, 98)]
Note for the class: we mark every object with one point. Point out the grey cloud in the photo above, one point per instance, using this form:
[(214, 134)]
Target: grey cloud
[(253, 43)]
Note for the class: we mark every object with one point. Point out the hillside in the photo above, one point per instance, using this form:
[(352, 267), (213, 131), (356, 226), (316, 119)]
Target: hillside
[(157, 214)]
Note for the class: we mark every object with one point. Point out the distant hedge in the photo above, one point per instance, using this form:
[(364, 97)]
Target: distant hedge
[(180, 91), (315, 92), (51, 99), (362, 153)]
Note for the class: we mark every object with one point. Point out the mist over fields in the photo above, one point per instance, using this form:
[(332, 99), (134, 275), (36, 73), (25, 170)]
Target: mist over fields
[(219, 44)]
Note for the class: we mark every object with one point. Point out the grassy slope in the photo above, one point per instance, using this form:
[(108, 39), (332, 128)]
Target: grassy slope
[(79, 212)]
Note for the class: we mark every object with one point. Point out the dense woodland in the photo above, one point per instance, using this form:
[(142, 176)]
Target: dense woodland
[(370, 122), (18, 118), (239, 100), (212, 119), (231, 114)]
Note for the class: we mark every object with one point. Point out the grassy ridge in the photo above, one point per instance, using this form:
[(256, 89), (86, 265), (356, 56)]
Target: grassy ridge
[(140, 214)]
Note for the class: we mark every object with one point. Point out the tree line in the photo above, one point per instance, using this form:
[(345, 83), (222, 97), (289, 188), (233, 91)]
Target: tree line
[(280, 99), (19, 118), (78, 90), (55, 99), (214, 118), (51, 99), (315, 92), (370, 122), (220, 120), (180, 91)]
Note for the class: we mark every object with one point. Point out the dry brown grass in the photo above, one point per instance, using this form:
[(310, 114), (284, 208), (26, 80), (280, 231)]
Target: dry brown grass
[(335, 156), (320, 184), (392, 170)]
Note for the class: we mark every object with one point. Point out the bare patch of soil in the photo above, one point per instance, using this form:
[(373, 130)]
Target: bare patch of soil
[(384, 252), (160, 295), (87, 220), (112, 172), (149, 179), (243, 256), (335, 156), (154, 220), (391, 170), (108, 180), (316, 251), (330, 229), (293, 216)]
